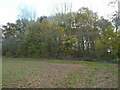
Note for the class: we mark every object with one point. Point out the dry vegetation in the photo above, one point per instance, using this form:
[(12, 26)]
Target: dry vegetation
[(57, 74)]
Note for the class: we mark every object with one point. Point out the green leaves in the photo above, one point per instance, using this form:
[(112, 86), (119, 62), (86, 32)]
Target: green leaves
[(70, 35)]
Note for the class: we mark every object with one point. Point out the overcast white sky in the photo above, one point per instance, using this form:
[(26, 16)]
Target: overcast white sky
[(9, 8)]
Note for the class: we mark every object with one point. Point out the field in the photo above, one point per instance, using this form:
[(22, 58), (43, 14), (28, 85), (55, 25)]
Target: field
[(24, 73)]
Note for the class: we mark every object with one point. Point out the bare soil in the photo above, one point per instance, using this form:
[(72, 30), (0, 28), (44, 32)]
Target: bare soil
[(22, 74)]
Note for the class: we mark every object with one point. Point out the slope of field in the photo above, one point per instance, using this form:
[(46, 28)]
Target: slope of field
[(58, 74)]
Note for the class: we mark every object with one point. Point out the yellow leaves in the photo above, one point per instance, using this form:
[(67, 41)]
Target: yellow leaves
[(64, 42), (74, 44), (73, 47), (68, 41)]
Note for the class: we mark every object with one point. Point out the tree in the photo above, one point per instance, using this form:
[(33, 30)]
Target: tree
[(70, 35), (26, 13), (85, 31), (116, 14), (9, 39), (103, 24)]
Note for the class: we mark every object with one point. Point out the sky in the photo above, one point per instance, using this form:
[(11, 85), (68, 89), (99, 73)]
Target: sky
[(9, 8)]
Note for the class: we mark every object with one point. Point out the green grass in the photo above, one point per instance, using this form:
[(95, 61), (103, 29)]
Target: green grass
[(61, 74), (92, 77), (60, 61)]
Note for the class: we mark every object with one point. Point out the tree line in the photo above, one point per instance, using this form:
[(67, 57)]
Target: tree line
[(71, 35)]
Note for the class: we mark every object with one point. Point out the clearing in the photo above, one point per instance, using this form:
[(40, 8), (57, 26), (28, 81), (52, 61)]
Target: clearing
[(24, 73)]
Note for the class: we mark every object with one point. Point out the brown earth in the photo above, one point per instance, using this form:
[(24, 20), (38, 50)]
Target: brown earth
[(35, 74)]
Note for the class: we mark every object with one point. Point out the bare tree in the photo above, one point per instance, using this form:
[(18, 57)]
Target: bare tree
[(119, 14), (27, 13), (62, 7), (116, 14)]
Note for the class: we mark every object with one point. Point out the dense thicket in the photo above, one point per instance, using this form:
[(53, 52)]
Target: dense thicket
[(73, 35)]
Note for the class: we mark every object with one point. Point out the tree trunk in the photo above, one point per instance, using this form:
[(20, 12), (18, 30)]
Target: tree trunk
[(119, 15)]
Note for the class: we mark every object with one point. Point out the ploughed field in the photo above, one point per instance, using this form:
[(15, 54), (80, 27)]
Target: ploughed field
[(32, 73)]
